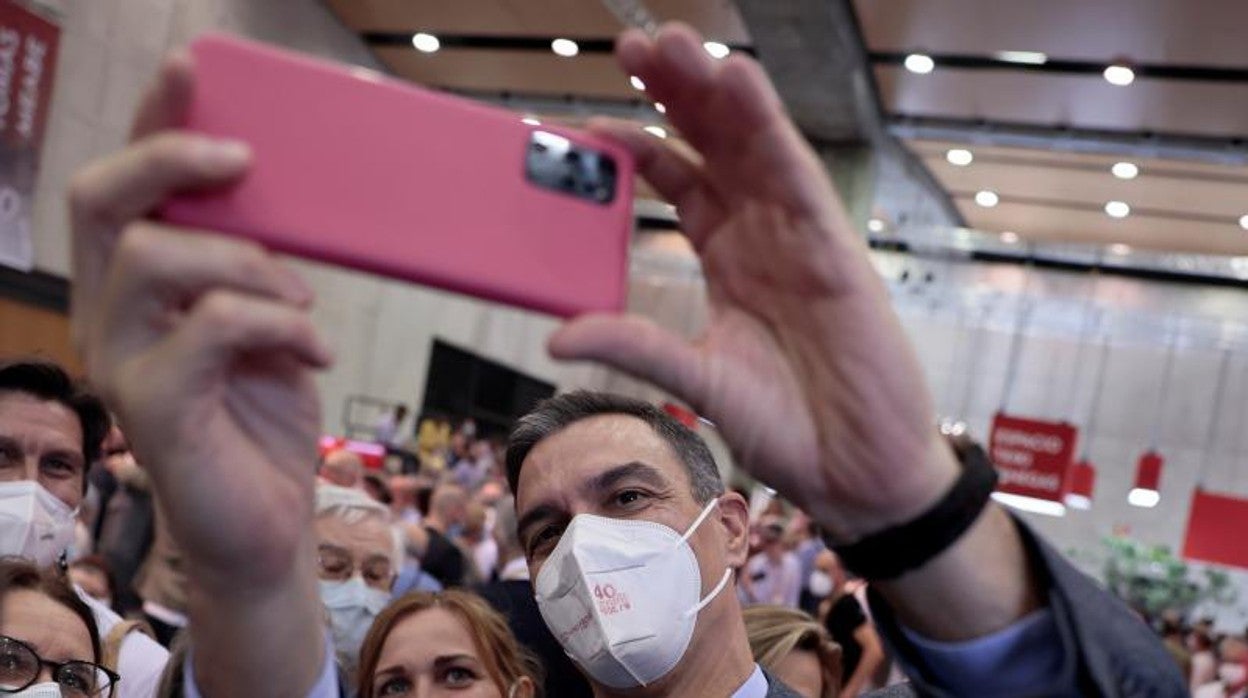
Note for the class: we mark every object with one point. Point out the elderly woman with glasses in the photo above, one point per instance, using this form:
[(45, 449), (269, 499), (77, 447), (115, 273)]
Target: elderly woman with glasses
[(49, 645)]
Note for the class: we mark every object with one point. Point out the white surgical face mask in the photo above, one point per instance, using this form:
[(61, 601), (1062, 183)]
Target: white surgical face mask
[(622, 596), (34, 523), (39, 690), (1232, 673), (352, 607), (819, 584)]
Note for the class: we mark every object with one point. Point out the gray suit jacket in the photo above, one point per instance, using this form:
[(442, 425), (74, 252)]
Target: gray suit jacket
[(776, 689), (1107, 650)]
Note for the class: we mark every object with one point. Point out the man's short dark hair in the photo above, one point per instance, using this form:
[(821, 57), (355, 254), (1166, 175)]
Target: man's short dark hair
[(47, 381), (554, 414)]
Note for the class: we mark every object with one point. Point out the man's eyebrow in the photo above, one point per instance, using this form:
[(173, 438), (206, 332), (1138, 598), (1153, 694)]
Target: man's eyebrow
[(636, 470)]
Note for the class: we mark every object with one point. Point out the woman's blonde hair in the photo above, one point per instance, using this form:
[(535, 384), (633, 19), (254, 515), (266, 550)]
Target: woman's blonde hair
[(775, 631), (505, 660)]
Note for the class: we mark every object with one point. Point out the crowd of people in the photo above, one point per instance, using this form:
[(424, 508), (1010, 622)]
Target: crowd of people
[(1215, 663), (600, 552)]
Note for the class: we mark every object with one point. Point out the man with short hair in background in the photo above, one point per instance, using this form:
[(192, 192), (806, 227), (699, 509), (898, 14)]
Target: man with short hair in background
[(50, 431), (342, 468)]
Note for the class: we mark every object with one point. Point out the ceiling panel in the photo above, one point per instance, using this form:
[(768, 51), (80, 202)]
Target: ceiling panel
[(1209, 109), (717, 19), (1228, 199), (590, 75), (1042, 223), (1059, 157), (1198, 32)]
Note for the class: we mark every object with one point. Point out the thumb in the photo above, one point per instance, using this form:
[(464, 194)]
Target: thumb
[(637, 346)]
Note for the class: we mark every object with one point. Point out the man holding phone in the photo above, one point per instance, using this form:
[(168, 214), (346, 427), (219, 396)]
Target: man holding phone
[(205, 347)]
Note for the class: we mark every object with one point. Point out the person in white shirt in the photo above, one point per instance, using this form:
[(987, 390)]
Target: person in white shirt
[(774, 574)]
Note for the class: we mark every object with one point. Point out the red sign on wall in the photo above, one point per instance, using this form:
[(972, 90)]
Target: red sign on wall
[(28, 46), (1215, 529), (1033, 457)]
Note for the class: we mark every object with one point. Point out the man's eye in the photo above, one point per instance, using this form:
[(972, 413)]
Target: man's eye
[(629, 497), (545, 537), (58, 468)]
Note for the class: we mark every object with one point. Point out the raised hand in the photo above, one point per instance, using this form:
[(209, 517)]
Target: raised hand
[(204, 348), (804, 366)]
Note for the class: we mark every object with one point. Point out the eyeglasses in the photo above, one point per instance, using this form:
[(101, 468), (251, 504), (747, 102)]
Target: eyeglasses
[(20, 666), (335, 563)]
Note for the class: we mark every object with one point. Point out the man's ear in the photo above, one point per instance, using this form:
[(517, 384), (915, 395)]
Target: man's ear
[(734, 516)]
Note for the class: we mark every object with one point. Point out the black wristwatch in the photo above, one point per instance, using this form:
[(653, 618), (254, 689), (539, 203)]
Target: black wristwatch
[(890, 553)]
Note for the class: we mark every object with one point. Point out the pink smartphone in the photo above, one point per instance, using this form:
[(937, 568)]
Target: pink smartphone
[(361, 170)]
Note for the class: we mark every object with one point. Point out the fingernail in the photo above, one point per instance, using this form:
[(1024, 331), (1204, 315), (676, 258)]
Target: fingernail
[(225, 153)]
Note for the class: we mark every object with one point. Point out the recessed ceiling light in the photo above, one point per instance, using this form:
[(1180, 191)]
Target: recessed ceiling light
[(1119, 75), (875, 225), (426, 43), (565, 47), (1009, 238), (1243, 222), (637, 83), (658, 106), (960, 157), (1125, 170), (1120, 249), (1117, 209), (1025, 57), (987, 199), (531, 120), (920, 63), (716, 49), (656, 131)]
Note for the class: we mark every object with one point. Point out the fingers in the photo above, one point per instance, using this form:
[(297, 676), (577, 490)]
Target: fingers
[(675, 175), (167, 98), (225, 326), (729, 111), (159, 272), (133, 182), (638, 347)]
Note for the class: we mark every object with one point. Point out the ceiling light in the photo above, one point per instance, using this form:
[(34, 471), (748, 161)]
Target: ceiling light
[(658, 106), (1243, 222), (1009, 238), (716, 49), (637, 83), (1117, 209), (920, 63), (565, 47), (875, 225), (960, 157), (1120, 249), (656, 131), (1030, 504), (426, 43), (1143, 498), (1125, 170), (1025, 57), (1119, 75), (987, 199), (531, 120)]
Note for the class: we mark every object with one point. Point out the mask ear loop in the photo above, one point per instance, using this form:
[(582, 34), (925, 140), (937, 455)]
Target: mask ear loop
[(706, 511)]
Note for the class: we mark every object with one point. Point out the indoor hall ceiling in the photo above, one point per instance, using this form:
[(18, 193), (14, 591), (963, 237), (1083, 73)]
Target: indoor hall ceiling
[(1190, 88)]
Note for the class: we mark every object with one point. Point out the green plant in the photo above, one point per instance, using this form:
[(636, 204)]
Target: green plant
[(1151, 579)]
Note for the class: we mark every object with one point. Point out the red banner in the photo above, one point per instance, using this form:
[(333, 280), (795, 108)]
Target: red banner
[(1215, 529), (1033, 457), (28, 45)]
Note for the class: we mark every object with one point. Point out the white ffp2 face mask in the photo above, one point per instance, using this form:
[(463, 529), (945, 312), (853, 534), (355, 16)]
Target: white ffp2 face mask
[(352, 606), (820, 584), (622, 596), (39, 690), (34, 523)]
